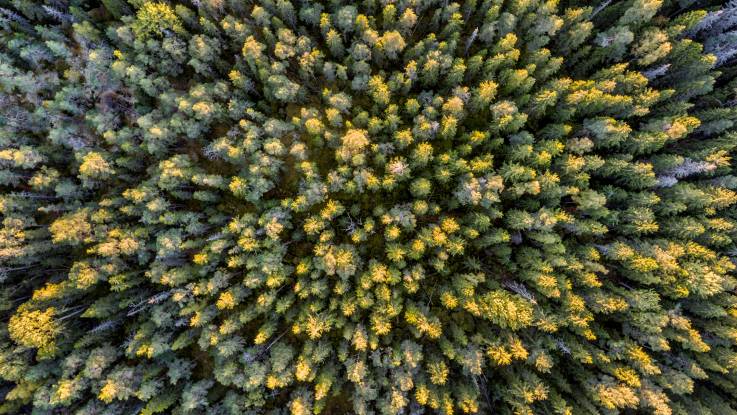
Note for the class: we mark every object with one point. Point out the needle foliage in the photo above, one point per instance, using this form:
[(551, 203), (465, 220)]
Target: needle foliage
[(375, 207)]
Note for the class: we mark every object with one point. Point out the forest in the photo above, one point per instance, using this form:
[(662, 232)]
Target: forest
[(372, 207)]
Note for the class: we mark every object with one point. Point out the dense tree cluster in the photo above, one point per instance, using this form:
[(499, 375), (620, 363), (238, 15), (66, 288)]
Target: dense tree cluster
[(375, 207)]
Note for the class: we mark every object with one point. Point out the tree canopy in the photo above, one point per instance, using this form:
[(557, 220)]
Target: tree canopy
[(374, 207)]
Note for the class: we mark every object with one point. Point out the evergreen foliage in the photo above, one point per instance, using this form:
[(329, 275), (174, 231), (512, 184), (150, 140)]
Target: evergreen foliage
[(375, 207)]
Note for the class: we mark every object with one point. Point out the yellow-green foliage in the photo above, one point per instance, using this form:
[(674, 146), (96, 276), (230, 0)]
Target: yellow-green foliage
[(155, 18), (371, 207), (34, 328)]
